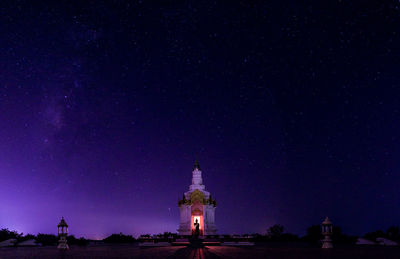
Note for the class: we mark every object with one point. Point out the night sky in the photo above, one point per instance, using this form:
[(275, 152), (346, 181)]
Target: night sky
[(293, 111)]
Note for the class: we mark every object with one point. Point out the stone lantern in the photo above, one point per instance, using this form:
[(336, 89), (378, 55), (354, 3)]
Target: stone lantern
[(62, 233), (327, 230)]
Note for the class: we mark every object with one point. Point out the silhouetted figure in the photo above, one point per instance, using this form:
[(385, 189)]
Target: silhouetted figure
[(196, 229)]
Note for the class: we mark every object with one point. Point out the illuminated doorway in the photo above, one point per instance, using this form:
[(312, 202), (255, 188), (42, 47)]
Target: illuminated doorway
[(197, 218), (200, 221)]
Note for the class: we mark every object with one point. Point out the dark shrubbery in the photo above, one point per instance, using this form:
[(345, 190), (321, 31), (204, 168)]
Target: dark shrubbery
[(392, 233), (72, 240), (26, 237), (166, 236), (47, 240), (288, 237), (314, 236), (44, 239), (7, 234), (339, 238), (119, 238), (276, 233)]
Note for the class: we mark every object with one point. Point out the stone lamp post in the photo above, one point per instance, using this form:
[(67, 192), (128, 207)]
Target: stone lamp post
[(62, 233), (327, 230)]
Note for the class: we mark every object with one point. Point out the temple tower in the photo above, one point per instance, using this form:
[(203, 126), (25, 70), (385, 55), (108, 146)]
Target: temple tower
[(197, 205)]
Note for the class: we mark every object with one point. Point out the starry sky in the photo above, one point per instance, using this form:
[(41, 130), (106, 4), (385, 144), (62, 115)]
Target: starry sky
[(293, 110)]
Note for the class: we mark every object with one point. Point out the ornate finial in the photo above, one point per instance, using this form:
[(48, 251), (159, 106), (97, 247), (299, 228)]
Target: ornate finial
[(196, 164), (63, 223), (327, 221)]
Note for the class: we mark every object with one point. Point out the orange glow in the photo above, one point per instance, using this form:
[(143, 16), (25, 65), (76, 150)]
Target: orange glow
[(198, 219), (201, 226)]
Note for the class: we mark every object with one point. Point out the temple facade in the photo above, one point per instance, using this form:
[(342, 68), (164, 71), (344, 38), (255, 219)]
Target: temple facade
[(197, 207)]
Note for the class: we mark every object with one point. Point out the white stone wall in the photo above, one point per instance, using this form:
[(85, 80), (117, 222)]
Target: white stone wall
[(185, 217), (209, 222)]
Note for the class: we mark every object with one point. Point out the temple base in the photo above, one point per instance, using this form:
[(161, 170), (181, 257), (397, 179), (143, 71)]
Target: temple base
[(63, 246), (62, 243), (184, 230), (327, 242)]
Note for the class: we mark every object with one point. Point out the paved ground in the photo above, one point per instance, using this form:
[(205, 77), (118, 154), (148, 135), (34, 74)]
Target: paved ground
[(129, 251)]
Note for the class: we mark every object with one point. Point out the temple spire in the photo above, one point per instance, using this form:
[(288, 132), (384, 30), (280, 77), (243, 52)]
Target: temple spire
[(196, 164)]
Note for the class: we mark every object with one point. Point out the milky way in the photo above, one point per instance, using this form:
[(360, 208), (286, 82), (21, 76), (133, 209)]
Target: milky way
[(292, 110)]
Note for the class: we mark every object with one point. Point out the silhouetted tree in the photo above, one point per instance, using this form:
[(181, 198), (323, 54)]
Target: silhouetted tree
[(7, 234), (313, 234), (374, 235), (393, 233), (339, 238), (275, 231)]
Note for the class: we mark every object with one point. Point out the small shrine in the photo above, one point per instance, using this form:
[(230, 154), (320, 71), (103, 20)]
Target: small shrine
[(327, 231), (197, 208), (62, 233)]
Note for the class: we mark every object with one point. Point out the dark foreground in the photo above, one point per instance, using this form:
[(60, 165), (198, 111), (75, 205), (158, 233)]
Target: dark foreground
[(127, 251)]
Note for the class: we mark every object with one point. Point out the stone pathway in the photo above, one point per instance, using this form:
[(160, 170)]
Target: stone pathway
[(194, 253), (213, 252)]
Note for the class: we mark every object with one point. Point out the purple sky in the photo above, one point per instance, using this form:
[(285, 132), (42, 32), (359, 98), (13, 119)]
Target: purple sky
[(292, 110)]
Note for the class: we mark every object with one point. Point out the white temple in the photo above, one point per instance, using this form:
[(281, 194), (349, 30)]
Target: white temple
[(197, 206)]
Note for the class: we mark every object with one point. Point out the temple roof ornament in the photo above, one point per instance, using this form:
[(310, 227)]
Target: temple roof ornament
[(197, 196), (327, 221), (62, 223), (196, 165)]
